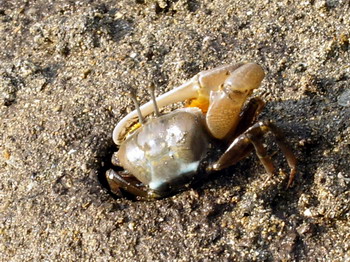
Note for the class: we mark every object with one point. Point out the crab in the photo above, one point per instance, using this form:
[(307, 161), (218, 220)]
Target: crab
[(165, 154)]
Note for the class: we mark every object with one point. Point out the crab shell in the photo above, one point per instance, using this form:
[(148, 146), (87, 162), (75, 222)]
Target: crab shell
[(166, 151)]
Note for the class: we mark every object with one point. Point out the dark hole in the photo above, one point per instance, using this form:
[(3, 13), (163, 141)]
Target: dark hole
[(105, 164)]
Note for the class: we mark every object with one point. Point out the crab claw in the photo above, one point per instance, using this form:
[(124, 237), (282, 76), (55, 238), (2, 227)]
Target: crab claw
[(226, 104), (183, 92), (200, 90)]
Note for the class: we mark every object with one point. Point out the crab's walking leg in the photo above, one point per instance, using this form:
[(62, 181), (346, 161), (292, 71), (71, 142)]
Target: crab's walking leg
[(129, 183), (252, 136), (248, 116), (261, 152), (288, 153)]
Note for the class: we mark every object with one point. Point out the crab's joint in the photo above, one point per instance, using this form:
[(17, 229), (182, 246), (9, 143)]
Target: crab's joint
[(261, 152), (250, 140), (202, 102)]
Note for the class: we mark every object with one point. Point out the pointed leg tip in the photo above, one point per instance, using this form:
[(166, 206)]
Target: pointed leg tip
[(213, 168)]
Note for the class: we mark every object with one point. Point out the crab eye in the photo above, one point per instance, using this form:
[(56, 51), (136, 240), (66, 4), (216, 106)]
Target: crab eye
[(153, 98), (132, 95)]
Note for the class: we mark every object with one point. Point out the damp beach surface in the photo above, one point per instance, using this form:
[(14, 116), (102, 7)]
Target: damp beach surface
[(63, 69)]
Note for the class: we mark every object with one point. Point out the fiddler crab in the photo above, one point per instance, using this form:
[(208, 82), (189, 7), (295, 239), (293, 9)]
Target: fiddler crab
[(218, 128)]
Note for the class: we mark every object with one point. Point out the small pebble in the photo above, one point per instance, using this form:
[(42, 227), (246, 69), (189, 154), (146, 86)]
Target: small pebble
[(344, 98)]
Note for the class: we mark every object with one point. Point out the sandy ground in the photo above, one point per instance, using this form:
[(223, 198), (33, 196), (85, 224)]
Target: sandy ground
[(63, 66)]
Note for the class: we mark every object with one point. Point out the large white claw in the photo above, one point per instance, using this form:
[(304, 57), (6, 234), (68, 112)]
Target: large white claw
[(199, 85), (226, 104)]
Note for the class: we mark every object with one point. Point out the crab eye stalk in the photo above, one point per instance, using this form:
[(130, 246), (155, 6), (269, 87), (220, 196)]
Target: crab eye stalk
[(153, 97), (132, 95)]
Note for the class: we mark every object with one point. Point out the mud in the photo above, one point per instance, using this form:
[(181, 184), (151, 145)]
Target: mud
[(63, 68)]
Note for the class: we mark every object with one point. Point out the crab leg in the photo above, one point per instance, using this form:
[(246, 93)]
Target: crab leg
[(252, 136), (248, 116), (198, 86), (117, 180)]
